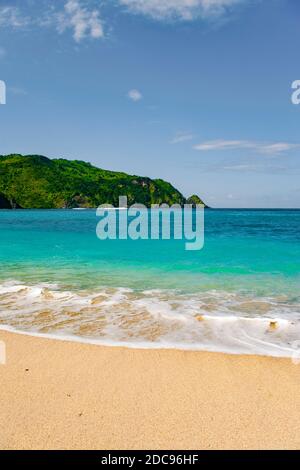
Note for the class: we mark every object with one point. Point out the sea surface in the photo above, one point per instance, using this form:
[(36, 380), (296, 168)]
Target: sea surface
[(239, 294)]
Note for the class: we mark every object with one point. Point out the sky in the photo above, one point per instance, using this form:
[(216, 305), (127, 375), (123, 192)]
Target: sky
[(197, 92)]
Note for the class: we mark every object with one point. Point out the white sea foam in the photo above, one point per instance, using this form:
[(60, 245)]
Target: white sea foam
[(212, 320)]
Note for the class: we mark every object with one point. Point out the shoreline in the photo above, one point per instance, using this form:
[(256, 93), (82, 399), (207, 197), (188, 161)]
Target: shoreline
[(70, 395), (139, 346)]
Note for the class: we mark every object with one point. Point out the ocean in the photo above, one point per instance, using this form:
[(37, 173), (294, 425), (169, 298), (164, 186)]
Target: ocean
[(239, 294)]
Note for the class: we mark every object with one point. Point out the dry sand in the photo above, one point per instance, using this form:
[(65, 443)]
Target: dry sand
[(65, 395)]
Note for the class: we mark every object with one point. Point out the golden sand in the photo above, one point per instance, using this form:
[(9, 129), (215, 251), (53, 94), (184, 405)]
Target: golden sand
[(64, 395)]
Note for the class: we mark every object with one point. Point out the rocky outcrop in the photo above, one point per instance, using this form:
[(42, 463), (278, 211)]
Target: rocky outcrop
[(7, 204), (195, 200), (4, 203)]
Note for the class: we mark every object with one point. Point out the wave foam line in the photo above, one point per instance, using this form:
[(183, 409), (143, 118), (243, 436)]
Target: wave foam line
[(160, 319)]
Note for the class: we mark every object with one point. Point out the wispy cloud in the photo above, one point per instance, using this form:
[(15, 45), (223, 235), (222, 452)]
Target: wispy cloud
[(76, 15), (84, 17), (134, 95), (83, 21), (278, 147), (245, 167), (182, 137), (259, 168), (12, 17), (2, 52), (274, 148), (185, 10), (222, 145), (249, 164)]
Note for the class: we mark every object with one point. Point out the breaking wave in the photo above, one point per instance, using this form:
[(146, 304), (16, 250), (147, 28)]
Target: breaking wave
[(212, 321)]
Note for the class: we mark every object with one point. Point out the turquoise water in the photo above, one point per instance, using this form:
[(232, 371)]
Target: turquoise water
[(240, 293)]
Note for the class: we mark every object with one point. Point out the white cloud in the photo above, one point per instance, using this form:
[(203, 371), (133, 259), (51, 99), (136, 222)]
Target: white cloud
[(185, 10), (134, 95), (244, 167), (84, 19), (11, 17), (278, 147), (181, 137), (221, 145), (83, 22), (260, 147)]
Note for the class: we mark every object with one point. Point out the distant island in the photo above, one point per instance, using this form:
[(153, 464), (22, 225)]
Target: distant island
[(37, 182)]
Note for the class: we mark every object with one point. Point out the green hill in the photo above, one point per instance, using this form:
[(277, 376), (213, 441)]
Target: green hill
[(36, 182)]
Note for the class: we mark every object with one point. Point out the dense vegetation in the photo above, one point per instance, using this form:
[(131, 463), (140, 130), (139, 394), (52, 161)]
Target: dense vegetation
[(34, 181)]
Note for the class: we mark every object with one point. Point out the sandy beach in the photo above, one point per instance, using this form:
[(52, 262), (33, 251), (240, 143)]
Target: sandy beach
[(67, 395)]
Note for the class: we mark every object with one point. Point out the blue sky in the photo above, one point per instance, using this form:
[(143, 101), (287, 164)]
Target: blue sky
[(197, 92)]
